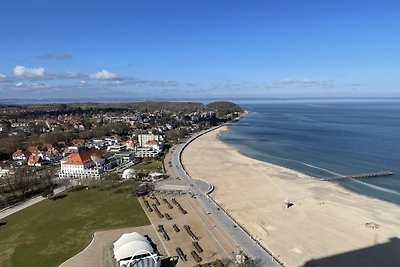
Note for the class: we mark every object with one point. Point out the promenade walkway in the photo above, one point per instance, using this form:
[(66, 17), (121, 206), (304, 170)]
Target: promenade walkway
[(201, 188)]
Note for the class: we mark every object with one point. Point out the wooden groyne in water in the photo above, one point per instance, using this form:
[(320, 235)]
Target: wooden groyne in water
[(359, 176)]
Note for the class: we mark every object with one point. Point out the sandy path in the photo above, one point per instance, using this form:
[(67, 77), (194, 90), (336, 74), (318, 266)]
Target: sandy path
[(325, 220)]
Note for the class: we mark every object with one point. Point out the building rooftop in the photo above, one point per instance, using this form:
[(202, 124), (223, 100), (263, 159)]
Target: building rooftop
[(84, 157)]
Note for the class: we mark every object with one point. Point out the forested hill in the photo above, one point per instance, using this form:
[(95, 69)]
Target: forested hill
[(220, 107), (224, 107)]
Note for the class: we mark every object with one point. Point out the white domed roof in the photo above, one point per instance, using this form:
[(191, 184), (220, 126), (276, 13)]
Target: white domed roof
[(132, 248), (126, 238), (131, 244), (128, 173)]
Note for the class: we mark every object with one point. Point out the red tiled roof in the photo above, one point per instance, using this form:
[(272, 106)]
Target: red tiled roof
[(78, 141), (129, 141), (84, 157), (17, 153), (20, 152), (33, 159), (152, 142)]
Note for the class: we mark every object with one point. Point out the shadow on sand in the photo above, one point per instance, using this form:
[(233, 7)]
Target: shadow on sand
[(386, 254)]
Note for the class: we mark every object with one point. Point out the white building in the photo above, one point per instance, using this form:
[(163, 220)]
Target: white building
[(87, 164), (128, 174), (156, 175), (134, 249), (126, 156), (146, 152), (4, 172), (149, 146), (19, 125), (143, 139), (116, 148)]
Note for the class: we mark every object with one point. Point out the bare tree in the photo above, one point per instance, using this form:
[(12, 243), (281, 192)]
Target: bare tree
[(10, 180), (24, 180)]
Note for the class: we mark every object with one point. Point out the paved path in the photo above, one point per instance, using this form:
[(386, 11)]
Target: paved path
[(200, 188), (8, 211), (99, 252)]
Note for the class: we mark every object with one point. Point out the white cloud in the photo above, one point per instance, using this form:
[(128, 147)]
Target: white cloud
[(21, 71), (38, 85), (303, 83), (33, 79), (103, 75)]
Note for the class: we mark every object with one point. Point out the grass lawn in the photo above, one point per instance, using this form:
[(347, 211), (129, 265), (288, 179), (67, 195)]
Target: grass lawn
[(50, 232), (149, 165)]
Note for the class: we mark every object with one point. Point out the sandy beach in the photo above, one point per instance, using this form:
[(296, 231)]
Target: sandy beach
[(325, 220)]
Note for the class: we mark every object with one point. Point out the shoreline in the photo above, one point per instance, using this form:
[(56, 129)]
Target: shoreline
[(253, 193), (306, 174)]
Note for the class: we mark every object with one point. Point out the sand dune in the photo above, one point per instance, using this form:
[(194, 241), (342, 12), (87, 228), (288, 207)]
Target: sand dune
[(325, 219)]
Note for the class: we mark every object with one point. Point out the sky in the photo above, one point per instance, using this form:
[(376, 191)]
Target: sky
[(199, 49)]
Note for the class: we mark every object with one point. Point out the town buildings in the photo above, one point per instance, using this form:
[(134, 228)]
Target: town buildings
[(49, 135), (84, 164), (149, 145)]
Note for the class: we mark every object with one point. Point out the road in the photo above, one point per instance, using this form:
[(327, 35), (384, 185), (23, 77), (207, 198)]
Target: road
[(249, 245)]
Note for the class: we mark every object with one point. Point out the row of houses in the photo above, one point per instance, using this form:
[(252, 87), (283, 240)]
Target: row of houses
[(37, 156), (91, 159), (94, 162)]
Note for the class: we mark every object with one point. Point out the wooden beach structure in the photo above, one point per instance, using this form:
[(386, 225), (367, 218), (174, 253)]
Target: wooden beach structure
[(359, 176)]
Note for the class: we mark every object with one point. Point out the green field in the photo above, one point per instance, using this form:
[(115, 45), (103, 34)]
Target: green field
[(149, 165), (50, 232)]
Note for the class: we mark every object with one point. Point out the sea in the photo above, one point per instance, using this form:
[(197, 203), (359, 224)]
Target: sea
[(326, 139)]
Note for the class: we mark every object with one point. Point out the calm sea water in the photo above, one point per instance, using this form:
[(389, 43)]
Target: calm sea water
[(325, 139)]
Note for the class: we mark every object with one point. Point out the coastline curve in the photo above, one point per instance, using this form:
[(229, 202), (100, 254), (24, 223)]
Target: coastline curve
[(274, 260)]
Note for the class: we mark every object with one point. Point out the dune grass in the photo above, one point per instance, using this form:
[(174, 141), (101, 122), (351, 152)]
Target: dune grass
[(50, 232)]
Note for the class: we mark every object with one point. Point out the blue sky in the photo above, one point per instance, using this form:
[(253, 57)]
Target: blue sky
[(199, 49)]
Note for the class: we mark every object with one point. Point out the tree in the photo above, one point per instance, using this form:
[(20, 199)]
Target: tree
[(182, 132), (224, 107), (47, 176), (11, 143), (172, 135), (23, 180), (120, 128), (11, 183)]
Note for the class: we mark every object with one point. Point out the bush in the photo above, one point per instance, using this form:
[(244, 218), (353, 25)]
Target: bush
[(76, 188), (48, 193)]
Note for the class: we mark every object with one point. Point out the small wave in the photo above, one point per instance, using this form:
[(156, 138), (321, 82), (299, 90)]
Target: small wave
[(316, 106), (246, 140), (308, 165), (319, 168), (379, 188), (243, 123)]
